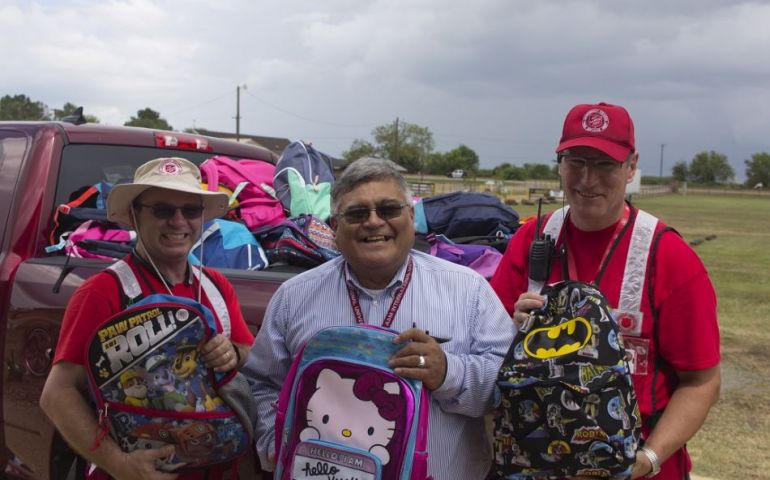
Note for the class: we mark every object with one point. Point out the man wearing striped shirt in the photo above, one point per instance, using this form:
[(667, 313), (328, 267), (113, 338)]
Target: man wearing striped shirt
[(380, 280)]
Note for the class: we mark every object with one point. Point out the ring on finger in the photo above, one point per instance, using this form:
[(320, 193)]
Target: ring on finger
[(421, 362)]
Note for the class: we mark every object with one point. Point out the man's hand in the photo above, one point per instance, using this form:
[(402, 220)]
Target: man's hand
[(527, 302), (219, 353), (421, 349), (141, 464)]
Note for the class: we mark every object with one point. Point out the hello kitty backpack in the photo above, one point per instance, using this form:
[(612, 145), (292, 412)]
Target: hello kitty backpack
[(343, 413)]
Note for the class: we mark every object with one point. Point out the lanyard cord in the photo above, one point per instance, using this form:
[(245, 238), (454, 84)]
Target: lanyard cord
[(391, 313), (629, 215)]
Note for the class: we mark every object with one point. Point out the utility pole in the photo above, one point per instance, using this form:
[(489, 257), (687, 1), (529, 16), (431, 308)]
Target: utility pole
[(238, 112), (660, 174), (395, 145)]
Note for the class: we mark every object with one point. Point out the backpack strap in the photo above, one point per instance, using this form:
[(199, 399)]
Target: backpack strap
[(552, 229), (131, 291), (129, 285), (659, 360), (215, 297)]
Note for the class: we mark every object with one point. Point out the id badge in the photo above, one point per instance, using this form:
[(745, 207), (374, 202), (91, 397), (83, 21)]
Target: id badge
[(316, 459), (638, 354)]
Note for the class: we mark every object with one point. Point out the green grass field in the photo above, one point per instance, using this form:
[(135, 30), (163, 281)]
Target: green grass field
[(735, 441)]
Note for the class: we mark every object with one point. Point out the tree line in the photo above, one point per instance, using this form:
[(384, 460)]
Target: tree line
[(412, 146), (21, 107)]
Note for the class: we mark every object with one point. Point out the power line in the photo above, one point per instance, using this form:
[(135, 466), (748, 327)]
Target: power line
[(307, 119), (202, 104)]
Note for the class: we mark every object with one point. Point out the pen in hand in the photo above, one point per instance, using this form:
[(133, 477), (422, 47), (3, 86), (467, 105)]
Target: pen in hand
[(437, 339)]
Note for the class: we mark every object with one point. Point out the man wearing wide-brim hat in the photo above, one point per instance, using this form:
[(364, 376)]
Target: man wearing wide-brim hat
[(167, 207)]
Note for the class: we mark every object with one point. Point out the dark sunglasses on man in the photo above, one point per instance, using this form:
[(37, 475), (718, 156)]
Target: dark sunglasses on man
[(386, 211), (165, 211)]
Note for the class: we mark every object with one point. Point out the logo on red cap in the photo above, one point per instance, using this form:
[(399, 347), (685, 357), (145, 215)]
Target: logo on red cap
[(170, 167), (595, 121)]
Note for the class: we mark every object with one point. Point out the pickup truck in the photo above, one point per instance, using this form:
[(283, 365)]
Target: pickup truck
[(41, 163)]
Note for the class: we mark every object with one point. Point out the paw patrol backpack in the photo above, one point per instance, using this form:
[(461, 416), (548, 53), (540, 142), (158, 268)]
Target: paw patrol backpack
[(343, 413), (152, 388), (568, 404)]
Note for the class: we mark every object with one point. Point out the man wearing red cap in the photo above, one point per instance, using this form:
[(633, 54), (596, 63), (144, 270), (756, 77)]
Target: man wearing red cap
[(664, 301)]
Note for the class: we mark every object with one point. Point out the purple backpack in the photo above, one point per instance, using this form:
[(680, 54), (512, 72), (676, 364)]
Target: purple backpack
[(253, 200), (481, 258), (343, 413)]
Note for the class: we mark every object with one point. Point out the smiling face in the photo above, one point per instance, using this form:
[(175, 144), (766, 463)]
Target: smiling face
[(375, 248), (595, 195), (167, 241)]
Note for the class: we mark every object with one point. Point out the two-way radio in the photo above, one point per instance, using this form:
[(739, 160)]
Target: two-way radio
[(541, 251)]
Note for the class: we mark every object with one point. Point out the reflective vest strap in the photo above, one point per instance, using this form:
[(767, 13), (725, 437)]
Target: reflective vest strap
[(552, 229), (216, 299), (127, 280), (631, 289)]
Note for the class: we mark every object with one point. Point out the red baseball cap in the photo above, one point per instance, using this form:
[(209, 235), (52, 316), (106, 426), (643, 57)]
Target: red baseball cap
[(602, 126)]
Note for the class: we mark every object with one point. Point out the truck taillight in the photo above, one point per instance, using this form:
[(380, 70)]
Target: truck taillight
[(185, 142)]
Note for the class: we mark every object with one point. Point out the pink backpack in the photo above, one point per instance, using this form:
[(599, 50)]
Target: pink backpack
[(253, 201), (343, 410), (93, 239)]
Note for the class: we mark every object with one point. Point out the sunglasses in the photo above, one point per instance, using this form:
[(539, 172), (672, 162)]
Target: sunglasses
[(387, 211), (164, 211)]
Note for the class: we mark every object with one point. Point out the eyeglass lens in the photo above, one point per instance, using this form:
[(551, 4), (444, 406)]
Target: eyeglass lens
[(600, 164), (361, 214), (165, 211)]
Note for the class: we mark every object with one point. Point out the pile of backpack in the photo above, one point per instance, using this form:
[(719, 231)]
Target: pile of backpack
[(278, 215)]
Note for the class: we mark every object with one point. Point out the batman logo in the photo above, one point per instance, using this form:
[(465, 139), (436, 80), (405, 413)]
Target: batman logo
[(563, 339)]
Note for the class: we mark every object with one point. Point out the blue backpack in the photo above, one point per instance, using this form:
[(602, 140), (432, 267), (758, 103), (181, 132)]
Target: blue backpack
[(465, 214), (303, 180), (227, 244), (343, 413)]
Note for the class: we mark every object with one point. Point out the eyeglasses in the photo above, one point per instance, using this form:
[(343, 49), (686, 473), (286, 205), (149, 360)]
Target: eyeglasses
[(165, 211), (602, 165), (387, 211)]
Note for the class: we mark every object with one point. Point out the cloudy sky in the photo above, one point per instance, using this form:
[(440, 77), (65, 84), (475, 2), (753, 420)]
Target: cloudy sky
[(495, 75)]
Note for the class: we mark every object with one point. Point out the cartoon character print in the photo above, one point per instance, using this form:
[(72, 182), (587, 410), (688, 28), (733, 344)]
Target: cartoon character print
[(554, 418), (134, 388), (358, 412), (162, 381), (185, 366), (529, 411)]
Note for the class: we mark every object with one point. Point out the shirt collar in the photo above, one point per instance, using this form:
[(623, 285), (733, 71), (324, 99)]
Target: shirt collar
[(148, 266), (396, 281)]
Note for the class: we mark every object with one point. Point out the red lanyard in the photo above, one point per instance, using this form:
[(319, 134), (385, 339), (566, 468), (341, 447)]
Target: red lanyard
[(619, 228), (391, 314)]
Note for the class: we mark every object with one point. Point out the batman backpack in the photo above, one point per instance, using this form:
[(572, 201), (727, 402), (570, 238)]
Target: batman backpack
[(568, 404)]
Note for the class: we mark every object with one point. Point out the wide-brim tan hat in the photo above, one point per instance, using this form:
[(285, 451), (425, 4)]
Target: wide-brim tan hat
[(170, 173)]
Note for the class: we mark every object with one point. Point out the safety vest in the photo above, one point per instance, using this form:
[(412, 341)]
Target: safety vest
[(131, 288), (631, 289)]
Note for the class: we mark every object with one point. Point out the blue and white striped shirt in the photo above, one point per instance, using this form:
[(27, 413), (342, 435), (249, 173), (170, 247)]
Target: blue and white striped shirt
[(448, 300)]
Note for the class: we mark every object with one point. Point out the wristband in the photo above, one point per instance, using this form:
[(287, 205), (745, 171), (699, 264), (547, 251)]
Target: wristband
[(654, 461)]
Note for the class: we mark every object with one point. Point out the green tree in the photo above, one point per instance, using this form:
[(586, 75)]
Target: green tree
[(405, 143), (758, 170), (710, 167), (680, 172), (360, 148), (462, 157), (148, 118), (506, 171), (20, 107), (540, 171), (69, 109)]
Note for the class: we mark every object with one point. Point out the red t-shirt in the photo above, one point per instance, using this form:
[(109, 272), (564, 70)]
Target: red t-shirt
[(99, 298), (683, 294)]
